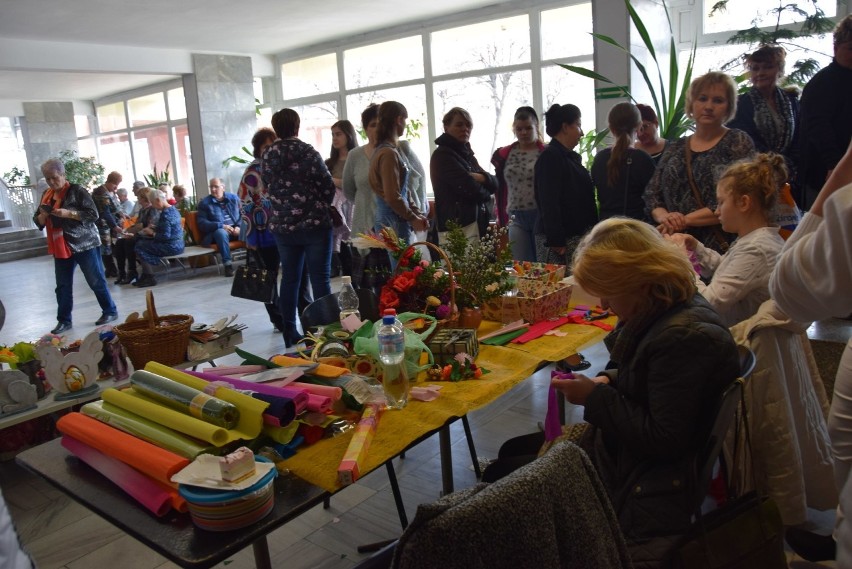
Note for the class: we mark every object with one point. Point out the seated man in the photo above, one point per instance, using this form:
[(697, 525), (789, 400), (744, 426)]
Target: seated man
[(219, 221)]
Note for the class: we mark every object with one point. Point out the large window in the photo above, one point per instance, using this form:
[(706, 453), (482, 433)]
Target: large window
[(137, 134), (489, 67), (761, 13)]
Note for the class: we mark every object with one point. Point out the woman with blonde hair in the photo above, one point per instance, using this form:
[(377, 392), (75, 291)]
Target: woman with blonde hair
[(746, 196), (620, 173), (651, 413), (681, 196)]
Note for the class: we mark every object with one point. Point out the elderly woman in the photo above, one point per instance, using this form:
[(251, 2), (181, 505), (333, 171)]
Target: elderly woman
[(672, 356), (125, 246), (300, 190), (767, 113), (68, 213), (462, 188), (564, 192), (162, 240), (681, 197)]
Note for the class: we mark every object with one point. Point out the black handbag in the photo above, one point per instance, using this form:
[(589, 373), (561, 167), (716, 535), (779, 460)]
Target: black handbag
[(744, 533), (253, 281)]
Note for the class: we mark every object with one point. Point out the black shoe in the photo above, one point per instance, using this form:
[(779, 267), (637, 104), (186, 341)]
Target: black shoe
[(129, 279), (145, 280), (121, 278), (574, 362), (61, 327), (811, 546), (106, 318), (229, 270)]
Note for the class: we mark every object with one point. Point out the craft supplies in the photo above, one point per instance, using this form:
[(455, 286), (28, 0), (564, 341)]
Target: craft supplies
[(448, 342), (195, 402), (352, 465)]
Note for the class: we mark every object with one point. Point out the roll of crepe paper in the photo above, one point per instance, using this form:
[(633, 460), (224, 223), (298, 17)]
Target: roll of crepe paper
[(134, 402), (251, 410), (319, 403), (323, 370), (235, 370), (149, 459), (299, 396), (353, 461), (281, 410), (334, 393), (148, 492), (145, 429), (193, 401), (282, 435)]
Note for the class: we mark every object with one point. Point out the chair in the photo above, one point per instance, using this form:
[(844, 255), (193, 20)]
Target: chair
[(192, 226)]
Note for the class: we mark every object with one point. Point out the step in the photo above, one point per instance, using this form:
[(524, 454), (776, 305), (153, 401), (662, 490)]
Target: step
[(13, 235), (23, 254), (22, 244), (5, 222)]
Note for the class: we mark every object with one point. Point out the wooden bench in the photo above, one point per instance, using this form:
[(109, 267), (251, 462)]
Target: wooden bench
[(191, 253)]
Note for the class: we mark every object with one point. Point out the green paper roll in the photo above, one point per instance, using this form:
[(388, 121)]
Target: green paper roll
[(186, 399), (146, 430), (504, 339)]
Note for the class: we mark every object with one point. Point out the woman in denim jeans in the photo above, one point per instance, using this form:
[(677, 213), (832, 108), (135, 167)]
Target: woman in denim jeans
[(300, 190), (515, 166)]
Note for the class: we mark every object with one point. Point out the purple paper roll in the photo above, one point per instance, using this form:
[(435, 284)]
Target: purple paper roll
[(141, 488), (552, 425), (299, 396)]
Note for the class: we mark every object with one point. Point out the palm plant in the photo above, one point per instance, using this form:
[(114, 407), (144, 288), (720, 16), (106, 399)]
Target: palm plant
[(156, 178), (668, 98)]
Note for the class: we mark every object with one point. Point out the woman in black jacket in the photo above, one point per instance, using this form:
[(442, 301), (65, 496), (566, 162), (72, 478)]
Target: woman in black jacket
[(564, 192), (462, 188)]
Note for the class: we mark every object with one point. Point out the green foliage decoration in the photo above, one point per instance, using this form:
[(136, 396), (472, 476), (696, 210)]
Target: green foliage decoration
[(83, 171)]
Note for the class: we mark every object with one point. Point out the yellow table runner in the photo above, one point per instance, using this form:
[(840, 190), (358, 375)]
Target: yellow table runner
[(509, 365)]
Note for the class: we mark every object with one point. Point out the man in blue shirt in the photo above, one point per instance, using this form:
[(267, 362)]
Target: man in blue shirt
[(219, 221)]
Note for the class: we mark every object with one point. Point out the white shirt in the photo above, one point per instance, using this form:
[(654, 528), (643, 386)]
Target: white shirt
[(740, 277)]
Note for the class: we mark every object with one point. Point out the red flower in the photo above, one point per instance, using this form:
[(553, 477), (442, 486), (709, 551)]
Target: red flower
[(404, 282), (388, 298)]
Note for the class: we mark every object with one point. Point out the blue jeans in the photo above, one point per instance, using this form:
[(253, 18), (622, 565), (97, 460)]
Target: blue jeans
[(221, 238), (311, 250), (522, 234), (93, 270)]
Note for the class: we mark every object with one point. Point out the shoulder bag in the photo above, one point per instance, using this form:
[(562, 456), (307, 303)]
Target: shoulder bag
[(720, 237), (253, 281)]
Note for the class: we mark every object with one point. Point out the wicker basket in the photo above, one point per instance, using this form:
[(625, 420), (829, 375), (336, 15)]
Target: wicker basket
[(163, 339), (453, 320)]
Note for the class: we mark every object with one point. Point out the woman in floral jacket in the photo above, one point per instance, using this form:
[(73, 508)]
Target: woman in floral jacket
[(300, 189)]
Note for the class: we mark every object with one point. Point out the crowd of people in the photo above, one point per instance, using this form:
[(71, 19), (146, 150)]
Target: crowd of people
[(677, 237)]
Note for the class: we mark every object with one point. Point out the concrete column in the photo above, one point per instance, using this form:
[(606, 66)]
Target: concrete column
[(610, 19), (220, 116), (48, 129)]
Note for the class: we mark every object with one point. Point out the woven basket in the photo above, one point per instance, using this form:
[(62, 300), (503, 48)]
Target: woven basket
[(453, 320), (163, 339)]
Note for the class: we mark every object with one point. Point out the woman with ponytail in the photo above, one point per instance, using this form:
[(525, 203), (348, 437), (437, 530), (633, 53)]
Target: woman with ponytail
[(746, 196), (621, 173)]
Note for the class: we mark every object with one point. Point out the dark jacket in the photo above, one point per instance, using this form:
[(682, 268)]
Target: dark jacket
[(564, 194), (625, 198), (80, 235), (825, 123), (655, 415), (459, 197), (501, 196), (210, 216)]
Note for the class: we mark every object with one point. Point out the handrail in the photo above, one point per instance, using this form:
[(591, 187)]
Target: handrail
[(19, 203)]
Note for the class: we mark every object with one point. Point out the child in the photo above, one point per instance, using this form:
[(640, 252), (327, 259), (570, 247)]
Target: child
[(746, 196)]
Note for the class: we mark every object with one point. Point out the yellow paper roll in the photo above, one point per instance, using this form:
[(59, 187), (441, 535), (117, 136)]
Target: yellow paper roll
[(251, 409), (130, 400)]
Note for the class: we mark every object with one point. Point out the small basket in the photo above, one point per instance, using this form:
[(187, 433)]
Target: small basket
[(453, 320), (163, 339)]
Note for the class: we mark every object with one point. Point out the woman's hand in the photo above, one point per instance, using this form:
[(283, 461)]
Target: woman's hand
[(578, 389), (63, 213), (684, 240), (419, 223), (147, 232), (558, 250), (673, 222), (478, 177)]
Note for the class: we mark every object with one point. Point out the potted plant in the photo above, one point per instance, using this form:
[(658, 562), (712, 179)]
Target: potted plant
[(83, 171)]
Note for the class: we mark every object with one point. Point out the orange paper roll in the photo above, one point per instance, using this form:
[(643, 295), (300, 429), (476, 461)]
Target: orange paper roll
[(149, 459)]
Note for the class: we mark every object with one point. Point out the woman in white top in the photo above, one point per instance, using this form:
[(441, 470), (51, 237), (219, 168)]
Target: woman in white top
[(746, 194)]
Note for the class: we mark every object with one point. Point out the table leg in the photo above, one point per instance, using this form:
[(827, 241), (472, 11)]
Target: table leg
[(446, 460), (261, 553)]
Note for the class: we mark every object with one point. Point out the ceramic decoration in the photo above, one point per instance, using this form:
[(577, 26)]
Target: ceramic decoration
[(73, 373), (16, 392)]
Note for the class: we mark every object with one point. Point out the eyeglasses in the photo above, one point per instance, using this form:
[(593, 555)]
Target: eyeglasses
[(216, 186)]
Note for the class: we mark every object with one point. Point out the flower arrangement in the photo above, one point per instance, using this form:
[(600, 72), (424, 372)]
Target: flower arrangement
[(461, 367), (417, 285), (479, 266)]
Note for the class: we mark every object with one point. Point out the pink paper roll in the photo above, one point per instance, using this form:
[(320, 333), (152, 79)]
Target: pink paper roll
[(335, 393), (235, 370), (141, 488), (299, 396), (319, 403)]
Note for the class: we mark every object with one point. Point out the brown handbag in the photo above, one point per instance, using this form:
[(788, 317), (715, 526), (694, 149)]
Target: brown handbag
[(720, 237)]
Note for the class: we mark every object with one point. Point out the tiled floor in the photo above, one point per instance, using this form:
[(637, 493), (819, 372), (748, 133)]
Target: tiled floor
[(62, 534)]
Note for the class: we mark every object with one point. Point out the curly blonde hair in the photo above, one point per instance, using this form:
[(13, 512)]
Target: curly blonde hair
[(761, 178), (621, 256)]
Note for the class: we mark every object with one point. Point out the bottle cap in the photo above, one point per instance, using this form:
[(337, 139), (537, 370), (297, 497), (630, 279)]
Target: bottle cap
[(388, 319), (346, 280)]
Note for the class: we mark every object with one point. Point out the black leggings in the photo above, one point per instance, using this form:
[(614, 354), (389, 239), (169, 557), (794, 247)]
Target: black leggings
[(124, 250)]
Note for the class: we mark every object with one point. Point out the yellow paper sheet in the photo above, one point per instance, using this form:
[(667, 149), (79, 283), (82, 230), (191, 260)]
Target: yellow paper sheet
[(251, 409)]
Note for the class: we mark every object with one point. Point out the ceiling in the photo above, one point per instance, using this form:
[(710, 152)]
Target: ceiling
[(254, 27)]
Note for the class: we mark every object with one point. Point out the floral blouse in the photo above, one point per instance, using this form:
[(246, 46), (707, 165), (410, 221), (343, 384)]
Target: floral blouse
[(299, 184), (669, 187)]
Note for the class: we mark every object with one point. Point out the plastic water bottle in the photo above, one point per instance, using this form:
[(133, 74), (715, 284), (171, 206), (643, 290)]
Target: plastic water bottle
[(347, 299), (392, 353)]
